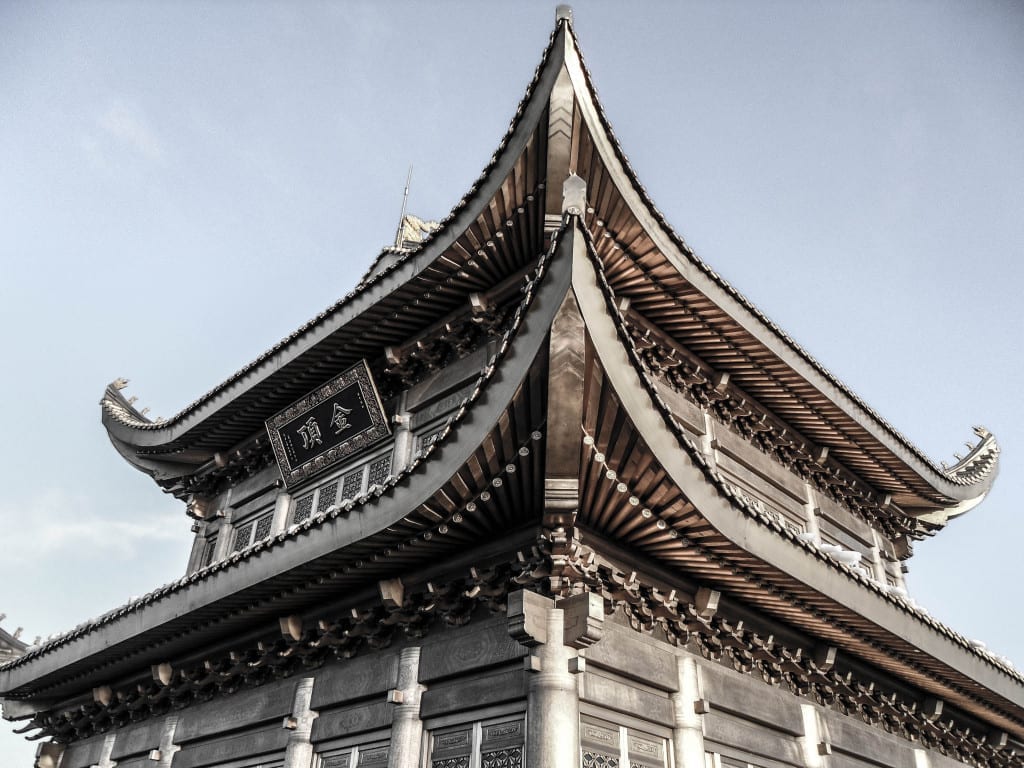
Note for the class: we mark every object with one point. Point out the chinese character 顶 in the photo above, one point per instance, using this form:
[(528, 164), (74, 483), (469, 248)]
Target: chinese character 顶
[(310, 432)]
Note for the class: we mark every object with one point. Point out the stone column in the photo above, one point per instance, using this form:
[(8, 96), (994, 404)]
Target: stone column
[(282, 504), (687, 705), (814, 743), (167, 745), (407, 727), (48, 755), (299, 752), (553, 705), (108, 748)]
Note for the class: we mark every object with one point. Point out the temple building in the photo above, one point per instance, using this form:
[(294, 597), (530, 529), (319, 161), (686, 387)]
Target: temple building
[(542, 491)]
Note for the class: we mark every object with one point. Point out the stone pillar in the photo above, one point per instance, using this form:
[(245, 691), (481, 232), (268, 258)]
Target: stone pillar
[(406, 727), (810, 512), (282, 504), (688, 706), (226, 535), (553, 705), (108, 748), (707, 440), (814, 743), (299, 752), (167, 745), (48, 755)]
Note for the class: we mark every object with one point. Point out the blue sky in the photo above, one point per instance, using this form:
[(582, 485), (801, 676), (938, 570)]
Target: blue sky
[(183, 184)]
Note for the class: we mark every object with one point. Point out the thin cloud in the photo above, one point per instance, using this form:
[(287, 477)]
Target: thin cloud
[(55, 522), (126, 124)]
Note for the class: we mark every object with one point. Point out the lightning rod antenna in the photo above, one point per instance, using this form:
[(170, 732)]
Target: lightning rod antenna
[(405, 201)]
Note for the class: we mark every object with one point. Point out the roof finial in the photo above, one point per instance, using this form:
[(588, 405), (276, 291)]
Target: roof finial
[(563, 12), (405, 200)]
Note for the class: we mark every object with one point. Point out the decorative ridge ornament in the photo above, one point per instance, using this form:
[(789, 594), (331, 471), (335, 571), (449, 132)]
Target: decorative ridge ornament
[(331, 423)]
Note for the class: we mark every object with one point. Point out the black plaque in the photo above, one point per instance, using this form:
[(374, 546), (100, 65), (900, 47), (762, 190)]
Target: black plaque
[(341, 418)]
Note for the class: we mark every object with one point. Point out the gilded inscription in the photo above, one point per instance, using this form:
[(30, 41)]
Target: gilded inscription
[(339, 419), (310, 433)]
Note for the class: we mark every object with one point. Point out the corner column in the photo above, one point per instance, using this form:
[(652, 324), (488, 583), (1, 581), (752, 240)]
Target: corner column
[(554, 632), (688, 707), (814, 743), (407, 727), (299, 752)]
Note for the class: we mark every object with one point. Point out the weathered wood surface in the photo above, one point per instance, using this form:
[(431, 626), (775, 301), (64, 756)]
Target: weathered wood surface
[(751, 700), (245, 709), (473, 648), (476, 693), (351, 720), (353, 679), (270, 740)]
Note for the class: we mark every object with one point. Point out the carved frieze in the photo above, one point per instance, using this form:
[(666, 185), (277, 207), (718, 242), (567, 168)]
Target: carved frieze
[(731, 409)]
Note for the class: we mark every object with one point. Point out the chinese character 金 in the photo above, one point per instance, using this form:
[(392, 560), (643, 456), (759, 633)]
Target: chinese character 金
[(310, 433), (340, 419)]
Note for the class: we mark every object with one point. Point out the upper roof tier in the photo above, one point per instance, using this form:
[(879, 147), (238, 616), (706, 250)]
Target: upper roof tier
[(694, 327)]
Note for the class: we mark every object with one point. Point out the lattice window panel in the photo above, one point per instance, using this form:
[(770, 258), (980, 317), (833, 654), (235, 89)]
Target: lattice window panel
[(379, 471), (327, 497), (593, 759), (510, 757), (243, 534), (451, 762), (352, 484), (263, 526), (208, 551), (303, 509)]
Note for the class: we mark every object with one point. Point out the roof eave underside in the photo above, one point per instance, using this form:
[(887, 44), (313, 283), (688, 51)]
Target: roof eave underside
[(501, 418), (883, 625), (757, 354), (498, 217)]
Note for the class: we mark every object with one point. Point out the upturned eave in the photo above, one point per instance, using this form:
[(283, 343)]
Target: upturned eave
[(234, 410), (840, 420), (212, 603), (889, 632)]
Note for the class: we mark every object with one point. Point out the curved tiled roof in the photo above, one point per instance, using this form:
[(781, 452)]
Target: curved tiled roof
[(1003, 692), (184, 584), (973, 475), (117, 409), (968, 479), (953, 489)]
